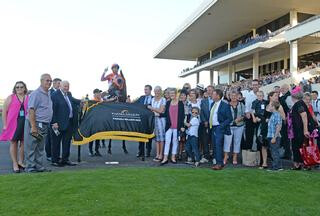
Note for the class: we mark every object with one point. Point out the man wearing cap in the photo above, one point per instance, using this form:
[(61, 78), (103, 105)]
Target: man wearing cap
[(200, 90), (97, 98)]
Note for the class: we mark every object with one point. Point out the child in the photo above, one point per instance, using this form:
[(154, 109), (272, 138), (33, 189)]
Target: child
[(274, 128), (192, 139)]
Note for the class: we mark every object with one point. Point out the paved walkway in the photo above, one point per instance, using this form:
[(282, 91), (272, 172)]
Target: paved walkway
[(87, 162)]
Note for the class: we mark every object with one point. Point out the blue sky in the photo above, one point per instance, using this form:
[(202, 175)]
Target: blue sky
[(76, 39)]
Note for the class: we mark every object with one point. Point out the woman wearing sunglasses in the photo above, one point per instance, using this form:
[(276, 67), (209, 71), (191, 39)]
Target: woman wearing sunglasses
[(13, 118)]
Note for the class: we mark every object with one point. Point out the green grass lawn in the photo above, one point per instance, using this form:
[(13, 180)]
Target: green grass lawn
[(157, 191)]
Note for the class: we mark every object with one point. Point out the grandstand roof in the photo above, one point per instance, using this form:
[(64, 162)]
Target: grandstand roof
[(217, 21)]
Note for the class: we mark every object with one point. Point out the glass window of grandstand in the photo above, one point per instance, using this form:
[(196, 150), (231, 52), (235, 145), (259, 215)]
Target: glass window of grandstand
[(203, 59), (239, 42), (310, 60), (303, 16), (244, 74), (221, 50), (274, 25)]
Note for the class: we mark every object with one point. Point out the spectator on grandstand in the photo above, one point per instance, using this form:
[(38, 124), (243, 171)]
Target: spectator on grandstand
[(157, 106), (174, 114), (237, 128)]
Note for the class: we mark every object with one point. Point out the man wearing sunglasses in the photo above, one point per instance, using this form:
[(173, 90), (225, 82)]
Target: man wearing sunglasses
[(36, 127)]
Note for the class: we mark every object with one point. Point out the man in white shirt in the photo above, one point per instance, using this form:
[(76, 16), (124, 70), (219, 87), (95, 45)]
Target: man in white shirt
[(219, 121), (64, 121), (249, 98), (316, 104)]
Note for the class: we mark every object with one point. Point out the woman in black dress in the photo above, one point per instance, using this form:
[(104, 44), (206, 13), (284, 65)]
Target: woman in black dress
[(302, 124)]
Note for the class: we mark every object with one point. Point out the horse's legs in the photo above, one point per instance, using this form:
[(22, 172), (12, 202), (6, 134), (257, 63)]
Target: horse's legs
[(109, 147), (124, 147)]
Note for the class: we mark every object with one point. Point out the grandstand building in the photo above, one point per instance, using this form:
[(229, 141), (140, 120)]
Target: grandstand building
[(247, 39)]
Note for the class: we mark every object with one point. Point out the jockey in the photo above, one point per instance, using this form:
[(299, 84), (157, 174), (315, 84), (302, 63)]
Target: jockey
[(112, 78), (116, 83)]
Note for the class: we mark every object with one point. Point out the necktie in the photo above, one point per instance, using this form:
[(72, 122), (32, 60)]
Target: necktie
[(69, 104), (210, 104), (147, 100), (211, 113)]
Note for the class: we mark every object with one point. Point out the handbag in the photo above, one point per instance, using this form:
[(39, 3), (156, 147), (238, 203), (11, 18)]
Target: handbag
[(310, 153), (250, 158)]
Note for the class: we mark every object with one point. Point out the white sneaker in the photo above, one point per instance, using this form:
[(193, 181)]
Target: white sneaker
[(196, 164), (204, 160), (189, 161), (214, 162)]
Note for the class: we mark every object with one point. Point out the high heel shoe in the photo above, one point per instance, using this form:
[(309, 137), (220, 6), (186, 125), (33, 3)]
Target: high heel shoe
[(16, 171), (296, 168), (21, 167), (174, 161), (163, 163)]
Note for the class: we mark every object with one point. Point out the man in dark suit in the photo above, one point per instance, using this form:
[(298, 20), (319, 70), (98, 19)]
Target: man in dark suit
[(64, 121), (206, 105), (55, 86), (146, 100), (220, 120)]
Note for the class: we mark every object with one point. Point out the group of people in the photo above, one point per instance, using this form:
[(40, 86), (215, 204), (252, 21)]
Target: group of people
[(198, 125), (40, 122), (212, 125)]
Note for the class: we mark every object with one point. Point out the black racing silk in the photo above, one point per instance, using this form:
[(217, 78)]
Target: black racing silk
[(117, 121)]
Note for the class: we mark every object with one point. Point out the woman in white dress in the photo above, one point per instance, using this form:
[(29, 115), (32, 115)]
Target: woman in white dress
[(157, 106)]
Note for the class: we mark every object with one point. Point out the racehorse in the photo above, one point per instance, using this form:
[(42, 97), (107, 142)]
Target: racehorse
[(117, 92)]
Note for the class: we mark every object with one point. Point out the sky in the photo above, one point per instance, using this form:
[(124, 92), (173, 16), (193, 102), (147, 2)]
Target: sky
[(76, 39)]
